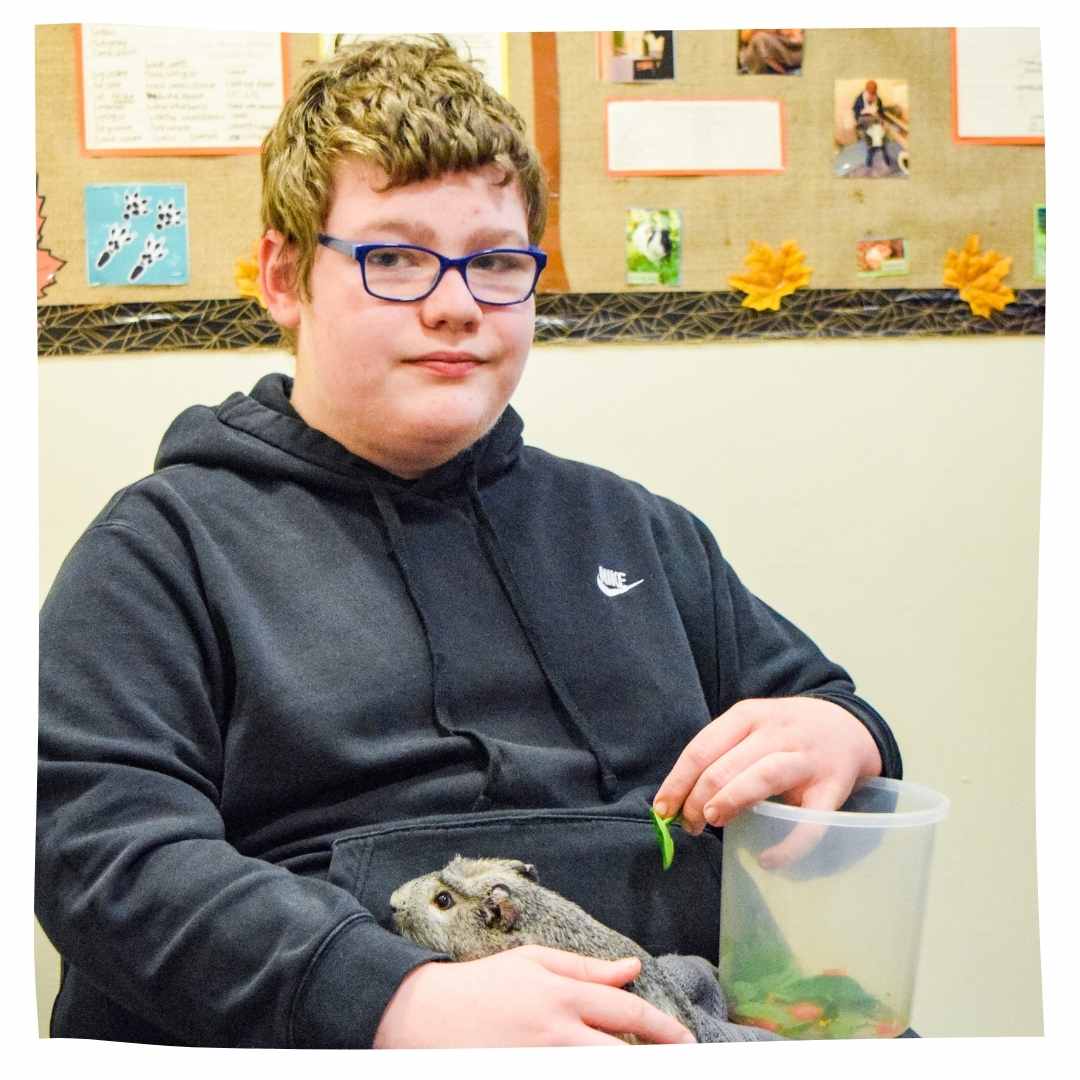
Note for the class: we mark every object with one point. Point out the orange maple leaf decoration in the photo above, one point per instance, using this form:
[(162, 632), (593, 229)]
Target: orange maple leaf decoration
[(977, 275), (47, 262), (771, 275), (246, 275)]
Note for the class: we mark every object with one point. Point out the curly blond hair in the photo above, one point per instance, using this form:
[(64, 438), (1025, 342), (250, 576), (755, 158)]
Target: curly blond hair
[(409, 105)]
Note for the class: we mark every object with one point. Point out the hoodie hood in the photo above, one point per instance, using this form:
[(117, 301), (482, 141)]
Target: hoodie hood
[(261, 432)]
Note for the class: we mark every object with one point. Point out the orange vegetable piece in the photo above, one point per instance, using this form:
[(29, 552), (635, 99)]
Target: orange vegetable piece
[(806, 1010), (755, 1021)]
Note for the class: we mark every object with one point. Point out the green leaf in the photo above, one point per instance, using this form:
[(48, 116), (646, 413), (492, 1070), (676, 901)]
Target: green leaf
[(663, 836), (759, 958), (763, 982), (749, 1011), (839, 990)]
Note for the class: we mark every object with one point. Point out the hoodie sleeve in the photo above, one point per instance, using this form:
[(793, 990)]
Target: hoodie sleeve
[(762, 654), (136, 882)]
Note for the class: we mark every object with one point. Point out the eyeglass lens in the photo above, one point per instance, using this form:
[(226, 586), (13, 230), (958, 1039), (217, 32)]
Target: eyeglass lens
[(497, 277)]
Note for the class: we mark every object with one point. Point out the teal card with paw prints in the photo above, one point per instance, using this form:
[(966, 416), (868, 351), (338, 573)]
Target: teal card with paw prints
[(137, 234)]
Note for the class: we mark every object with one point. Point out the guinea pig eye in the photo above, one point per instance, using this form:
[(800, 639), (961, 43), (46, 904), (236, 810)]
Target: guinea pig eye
[(444, 901)]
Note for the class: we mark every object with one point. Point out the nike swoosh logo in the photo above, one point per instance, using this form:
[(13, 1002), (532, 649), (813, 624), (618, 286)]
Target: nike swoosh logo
[(616, 590)]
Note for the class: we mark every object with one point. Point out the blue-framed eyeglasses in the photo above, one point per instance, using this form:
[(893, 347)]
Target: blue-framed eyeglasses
[(404, 272)]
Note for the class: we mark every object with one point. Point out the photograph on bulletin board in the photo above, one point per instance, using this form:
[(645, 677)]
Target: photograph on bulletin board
[(771, 52), (628, 56), (1039, 243), (653, 247), (870, 128), (881, 258)]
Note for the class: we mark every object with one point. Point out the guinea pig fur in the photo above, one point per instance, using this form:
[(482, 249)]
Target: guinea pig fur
[(474, 908)]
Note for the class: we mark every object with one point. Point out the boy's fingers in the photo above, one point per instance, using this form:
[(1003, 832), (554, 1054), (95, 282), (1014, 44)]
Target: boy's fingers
[(827, 795), (771, 775), (799, 842), (588, 968), (712, 742), (756, 745), (620, 1012), (605, 1007)]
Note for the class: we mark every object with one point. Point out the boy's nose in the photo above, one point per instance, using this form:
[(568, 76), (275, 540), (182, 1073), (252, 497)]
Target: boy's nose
[(451, 302)]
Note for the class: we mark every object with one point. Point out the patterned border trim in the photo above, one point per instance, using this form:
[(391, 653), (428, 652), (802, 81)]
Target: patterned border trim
[(75, 330), (807, 313)]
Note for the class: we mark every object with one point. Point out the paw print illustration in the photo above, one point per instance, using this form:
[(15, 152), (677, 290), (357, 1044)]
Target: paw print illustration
[(135, 205), (118, 236), (169, 215), (153, 251)]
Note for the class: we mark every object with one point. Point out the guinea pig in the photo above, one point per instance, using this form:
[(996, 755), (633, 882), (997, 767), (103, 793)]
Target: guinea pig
[(477, 907), (652, 241)]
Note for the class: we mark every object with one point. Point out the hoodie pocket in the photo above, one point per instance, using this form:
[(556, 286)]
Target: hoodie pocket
[(606, 860)]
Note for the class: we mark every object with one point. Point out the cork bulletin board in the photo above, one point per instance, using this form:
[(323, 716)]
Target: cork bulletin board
[(952, 189), (223, 191)]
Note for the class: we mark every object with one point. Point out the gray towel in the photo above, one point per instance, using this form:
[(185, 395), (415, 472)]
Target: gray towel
[(700, 982)]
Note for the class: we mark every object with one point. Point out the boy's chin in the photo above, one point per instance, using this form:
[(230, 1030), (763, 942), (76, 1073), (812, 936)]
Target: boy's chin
[(456, 425)]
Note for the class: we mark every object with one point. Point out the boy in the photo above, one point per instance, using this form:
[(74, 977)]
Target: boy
[(352, 626)]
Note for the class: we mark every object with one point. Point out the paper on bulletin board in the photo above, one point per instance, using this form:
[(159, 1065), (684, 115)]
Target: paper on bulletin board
[(166, 91), (137, 234), (694, 136), (997, 85), (488, 50)]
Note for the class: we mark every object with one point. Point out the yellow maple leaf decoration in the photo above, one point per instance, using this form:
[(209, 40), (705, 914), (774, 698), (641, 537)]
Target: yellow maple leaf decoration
[(246, 275), (771, 275), (977, 275)]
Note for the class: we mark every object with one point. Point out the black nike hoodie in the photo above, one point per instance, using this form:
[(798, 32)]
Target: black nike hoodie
[(278, 681)]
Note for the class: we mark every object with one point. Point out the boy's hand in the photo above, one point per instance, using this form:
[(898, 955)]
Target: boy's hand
[(807, 750), (528, 996)]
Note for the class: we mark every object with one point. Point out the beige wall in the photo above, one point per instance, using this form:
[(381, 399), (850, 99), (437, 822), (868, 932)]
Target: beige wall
[(882, 494)]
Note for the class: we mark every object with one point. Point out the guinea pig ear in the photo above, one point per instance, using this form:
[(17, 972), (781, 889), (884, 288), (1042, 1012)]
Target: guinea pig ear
[(499, 909), (526, 870)]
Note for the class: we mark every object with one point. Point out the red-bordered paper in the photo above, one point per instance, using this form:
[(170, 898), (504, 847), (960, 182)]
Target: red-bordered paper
[(694, 136), (1010, 87), (223, 89)]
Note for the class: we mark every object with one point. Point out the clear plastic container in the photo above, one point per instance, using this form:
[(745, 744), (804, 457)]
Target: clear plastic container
[(825, 945)]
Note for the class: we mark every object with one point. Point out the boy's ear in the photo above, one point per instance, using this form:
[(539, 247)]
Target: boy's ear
[(277, 279)]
